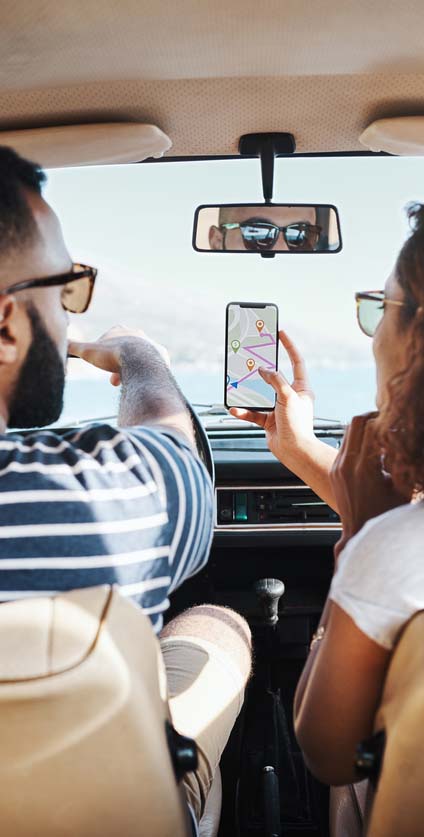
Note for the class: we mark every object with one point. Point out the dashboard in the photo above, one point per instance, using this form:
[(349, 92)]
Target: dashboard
[(255, 493)]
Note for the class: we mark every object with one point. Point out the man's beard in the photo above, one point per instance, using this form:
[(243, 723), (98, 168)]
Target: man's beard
[(38, 396)]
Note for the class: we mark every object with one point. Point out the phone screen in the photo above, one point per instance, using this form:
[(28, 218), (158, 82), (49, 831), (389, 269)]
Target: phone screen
[(251, 341)]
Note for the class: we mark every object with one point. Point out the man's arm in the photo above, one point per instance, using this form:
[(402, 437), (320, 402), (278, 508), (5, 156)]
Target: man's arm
[(150, 394), (151, 399)]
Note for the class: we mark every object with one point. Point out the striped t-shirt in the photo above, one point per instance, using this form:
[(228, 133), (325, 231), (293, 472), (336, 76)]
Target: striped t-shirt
[(102, 505)]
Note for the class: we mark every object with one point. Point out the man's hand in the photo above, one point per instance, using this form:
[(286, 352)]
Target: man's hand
[(362, 488), (149, 393), (106, 352), (290, 426)]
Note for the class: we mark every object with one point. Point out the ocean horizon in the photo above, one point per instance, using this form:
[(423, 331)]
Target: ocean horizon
[(340, 393)]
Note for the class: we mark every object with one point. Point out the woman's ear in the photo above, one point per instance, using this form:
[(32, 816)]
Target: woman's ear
[(9, 331)]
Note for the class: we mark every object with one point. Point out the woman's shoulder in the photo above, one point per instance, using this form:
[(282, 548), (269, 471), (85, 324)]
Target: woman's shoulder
[(395, 523), (379, 579), (384, 544)]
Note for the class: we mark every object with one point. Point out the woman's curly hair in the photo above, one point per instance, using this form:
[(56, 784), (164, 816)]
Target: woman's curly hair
[(401, 424)]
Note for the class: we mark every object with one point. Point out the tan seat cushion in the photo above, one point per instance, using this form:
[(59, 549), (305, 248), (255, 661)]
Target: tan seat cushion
[(82, 721), (398, 807)]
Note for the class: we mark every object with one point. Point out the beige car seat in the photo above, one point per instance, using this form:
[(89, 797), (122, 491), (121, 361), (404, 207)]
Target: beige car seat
[(397, 807), (83, 717)]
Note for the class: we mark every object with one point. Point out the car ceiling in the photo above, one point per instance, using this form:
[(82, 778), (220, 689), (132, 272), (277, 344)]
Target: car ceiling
[(207, 72)]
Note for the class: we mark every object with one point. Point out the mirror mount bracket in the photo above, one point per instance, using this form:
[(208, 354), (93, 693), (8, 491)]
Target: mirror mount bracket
[(267, 146)]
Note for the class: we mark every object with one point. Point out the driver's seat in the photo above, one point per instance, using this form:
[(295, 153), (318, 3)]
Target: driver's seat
[(83, 717)]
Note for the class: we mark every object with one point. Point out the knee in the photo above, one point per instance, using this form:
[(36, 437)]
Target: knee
[(220, 625)]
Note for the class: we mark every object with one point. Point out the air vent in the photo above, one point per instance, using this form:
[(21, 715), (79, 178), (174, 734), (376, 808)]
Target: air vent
[(287, 506)]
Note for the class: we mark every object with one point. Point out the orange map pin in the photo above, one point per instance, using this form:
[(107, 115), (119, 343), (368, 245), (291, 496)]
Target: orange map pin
[(259, 325), (250, 364)]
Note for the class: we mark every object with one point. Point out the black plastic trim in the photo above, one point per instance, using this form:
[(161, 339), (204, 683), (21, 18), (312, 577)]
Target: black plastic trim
[(202, 157), (281, 538)]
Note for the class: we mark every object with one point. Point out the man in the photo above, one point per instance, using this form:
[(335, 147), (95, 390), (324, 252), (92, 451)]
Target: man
[(132, 505), (261, 228)]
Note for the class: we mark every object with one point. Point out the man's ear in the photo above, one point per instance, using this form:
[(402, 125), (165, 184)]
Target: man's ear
[(9, 331), (216, 238)]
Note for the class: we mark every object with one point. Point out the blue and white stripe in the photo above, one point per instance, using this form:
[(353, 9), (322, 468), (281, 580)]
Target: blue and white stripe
[(102, 506)]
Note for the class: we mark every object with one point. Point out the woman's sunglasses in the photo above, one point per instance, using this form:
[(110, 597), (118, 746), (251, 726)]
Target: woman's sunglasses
[(370, 310), (261, 235), (78, 286)]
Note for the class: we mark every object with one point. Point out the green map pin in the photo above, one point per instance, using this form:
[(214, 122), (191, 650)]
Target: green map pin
[(235, 345)]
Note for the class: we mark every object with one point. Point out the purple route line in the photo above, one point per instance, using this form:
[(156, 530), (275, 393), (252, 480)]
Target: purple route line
[(262, 346), (250, 348)]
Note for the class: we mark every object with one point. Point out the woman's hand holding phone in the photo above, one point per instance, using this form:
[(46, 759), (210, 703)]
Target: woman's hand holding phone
[(289, 428)]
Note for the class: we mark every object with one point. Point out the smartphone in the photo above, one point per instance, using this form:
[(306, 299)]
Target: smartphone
[(251, 340)]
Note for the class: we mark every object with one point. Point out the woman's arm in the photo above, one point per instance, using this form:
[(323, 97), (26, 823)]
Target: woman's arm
[(289, 428), (341, 684), (337, 697)]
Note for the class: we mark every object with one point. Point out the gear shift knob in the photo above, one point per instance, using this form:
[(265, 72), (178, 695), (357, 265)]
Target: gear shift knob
[(269, 592)]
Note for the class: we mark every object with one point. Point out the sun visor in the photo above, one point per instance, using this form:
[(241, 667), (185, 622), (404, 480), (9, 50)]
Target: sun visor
[(403, 135), (88, 145)]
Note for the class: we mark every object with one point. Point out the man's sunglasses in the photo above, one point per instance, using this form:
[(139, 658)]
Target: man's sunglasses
[(370, 310), (261, 235), (78, 286)]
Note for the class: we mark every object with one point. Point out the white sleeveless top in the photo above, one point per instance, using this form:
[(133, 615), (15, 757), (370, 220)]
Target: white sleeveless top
[(379, 581)]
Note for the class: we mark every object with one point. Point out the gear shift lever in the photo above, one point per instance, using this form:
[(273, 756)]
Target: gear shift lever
[(271, 769), (269, 592)]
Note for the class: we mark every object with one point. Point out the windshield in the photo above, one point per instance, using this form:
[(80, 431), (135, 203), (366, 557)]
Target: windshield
[(134, 223)]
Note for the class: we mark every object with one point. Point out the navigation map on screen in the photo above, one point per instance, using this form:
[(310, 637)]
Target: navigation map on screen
[(251, 342)]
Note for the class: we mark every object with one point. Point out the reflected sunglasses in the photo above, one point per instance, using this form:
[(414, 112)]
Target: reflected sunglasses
[(370, 309), (78, 286), (262, 235)]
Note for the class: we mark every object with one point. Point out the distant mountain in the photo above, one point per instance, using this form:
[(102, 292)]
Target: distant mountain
[(191, 324)]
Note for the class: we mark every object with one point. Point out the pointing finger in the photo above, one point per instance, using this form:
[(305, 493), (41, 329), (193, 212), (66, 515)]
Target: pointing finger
[(300, 374), (278, 383), (115, 379)]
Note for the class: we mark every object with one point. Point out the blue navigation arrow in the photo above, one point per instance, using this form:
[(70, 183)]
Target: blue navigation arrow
[(234, 384)]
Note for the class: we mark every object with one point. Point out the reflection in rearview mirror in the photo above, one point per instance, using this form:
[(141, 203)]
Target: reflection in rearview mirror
[(267, 228)]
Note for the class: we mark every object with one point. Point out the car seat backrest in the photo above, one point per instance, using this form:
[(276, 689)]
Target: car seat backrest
[(82, 721), (398, 805)]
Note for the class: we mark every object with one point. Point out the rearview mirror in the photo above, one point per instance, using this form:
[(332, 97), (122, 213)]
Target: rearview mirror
[(267, 229)]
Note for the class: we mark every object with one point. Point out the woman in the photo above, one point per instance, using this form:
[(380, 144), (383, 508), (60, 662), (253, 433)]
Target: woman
[(378, 582)]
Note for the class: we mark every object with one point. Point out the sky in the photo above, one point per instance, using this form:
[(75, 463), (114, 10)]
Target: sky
[(135, 223)]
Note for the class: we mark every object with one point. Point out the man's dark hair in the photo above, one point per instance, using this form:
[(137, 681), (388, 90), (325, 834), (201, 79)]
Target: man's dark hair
[(17, 225)]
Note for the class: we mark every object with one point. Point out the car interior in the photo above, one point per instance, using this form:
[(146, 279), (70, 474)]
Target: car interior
[(152, 120)]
